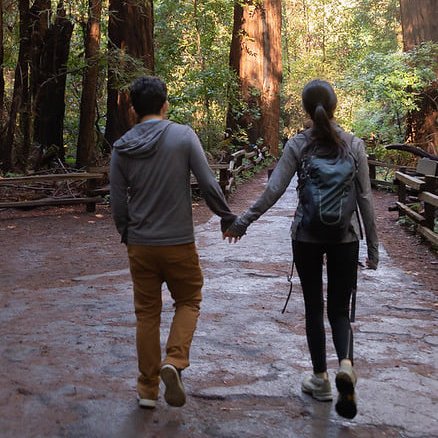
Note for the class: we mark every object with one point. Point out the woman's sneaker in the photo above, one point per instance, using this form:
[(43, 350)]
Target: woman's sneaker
[(346, 379), (174, 393), (319, 389)]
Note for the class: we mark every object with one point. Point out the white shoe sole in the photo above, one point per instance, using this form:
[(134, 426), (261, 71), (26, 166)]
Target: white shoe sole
[(146, 402), (320, 397), (174, 393)]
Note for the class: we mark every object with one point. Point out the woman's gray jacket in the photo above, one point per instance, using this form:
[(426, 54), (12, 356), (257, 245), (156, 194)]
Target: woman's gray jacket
[(281, 177)]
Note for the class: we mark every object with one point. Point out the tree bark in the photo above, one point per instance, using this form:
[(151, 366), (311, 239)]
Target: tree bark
[(272, 75), (40, 16), (20, 97), (419, 20), (86, 149), (255, 56), (2, 78), (50, 83), (130, 32)]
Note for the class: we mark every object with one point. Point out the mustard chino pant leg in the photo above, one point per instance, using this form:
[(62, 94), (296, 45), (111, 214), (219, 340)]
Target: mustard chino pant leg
[(184, 279), (147, 282)]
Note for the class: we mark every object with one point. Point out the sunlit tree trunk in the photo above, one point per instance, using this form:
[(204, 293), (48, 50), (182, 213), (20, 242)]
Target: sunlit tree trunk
[(20, 106), (87, 147), (255, 56), (419, 20), (49, 87), (272, 75), (130, 31)]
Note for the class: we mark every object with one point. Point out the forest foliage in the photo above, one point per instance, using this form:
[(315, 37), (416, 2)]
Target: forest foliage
[(355, 44)]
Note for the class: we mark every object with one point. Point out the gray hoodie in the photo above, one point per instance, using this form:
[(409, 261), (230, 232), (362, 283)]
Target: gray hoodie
[(150, 184)]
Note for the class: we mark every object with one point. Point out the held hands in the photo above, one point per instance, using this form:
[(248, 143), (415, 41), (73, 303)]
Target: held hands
[(235, 232), (231, 237)]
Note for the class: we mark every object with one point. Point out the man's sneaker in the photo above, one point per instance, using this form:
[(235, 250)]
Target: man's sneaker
[(319, 389), (346, 379), (174, 393), (146, 402)]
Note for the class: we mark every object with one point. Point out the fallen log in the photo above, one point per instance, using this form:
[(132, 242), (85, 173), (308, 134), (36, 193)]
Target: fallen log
[(413, 150)]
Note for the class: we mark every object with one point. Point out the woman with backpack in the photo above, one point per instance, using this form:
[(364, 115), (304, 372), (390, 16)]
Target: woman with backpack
[(333, 178)]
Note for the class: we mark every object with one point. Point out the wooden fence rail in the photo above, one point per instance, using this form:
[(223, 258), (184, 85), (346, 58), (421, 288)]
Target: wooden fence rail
[(417, 191), (418, 197)]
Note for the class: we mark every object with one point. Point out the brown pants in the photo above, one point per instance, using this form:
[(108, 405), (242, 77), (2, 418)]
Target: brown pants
[(151, 266)]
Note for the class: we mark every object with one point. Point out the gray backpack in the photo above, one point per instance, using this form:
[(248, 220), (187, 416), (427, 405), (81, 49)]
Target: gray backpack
[(327, 191)]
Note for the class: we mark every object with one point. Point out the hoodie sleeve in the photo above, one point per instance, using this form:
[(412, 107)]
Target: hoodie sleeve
[(208, 184), (365, 202), (119, 196)]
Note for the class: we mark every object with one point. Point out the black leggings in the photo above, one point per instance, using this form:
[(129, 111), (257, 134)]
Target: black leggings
[(342, 259)]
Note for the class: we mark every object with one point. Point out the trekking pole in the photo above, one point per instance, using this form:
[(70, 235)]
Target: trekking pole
[(289, 279)]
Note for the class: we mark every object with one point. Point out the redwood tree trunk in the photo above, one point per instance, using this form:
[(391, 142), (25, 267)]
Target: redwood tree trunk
[(20, 98), (255, 56), (419, 20), (49, 88), (86, 150), (40, 16), (2, 78), (130, 31), (272, 75)]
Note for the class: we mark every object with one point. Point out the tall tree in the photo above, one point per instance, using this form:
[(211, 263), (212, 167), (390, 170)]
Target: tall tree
[(87, 148), (49, 80), (130, 33), (20, 106), (2, 78), (255, 56), (420, 24), (419, 20)]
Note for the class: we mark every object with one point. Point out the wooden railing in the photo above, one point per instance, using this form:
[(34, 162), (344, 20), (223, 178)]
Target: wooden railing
[(417, 191), (390, 168), (240, 161), (420, 192)]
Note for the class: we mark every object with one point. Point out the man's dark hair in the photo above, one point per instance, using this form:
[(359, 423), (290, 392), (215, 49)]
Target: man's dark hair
[(148, 95)]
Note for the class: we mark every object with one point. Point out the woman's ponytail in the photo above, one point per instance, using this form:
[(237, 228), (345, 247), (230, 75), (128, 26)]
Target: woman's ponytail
[(319, 101)]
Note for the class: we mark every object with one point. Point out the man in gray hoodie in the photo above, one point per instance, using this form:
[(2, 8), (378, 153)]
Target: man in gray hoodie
[(152, 210)]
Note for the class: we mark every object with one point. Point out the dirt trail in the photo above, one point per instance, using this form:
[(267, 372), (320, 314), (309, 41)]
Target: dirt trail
[(67, 327)]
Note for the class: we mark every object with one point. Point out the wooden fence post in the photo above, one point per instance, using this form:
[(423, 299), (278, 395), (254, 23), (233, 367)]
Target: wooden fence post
[(431, 186), (372, 168)]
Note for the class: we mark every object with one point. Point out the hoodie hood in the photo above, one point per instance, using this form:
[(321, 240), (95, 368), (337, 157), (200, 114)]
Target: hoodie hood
[(142, 140)]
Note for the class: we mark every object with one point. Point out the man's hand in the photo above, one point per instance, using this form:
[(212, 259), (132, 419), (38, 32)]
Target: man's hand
[(371, 264)]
